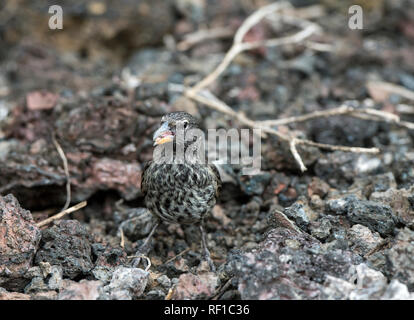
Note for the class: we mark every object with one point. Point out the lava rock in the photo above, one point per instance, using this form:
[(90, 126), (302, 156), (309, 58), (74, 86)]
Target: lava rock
[(318, 187), (361, 240), (288, 265), (400, 258), (83, 290), (365, 186), (374, 215), (103, 273), (137, 223), (401, 201), (6, 295), (66, 244), (107, 256), (342, 168), (164, 282), (190, 286), (343, 131), (368, 284), (127, 283), (254, 185), (321, 229), (301, 213), (19, 240)]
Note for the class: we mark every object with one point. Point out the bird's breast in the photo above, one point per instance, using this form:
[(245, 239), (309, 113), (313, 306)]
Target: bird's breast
[(181, 193)]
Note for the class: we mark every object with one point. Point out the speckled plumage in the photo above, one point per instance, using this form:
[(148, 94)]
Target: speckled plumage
[(182, 193), (179, 192)]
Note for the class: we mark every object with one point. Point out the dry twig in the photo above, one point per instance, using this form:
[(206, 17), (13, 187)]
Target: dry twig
[(145, 257), (122, 244), (176, 256), (365, 113), (202, 35), (200, 94), (61, 214), (391, 88), (240, 46), (66, 169)]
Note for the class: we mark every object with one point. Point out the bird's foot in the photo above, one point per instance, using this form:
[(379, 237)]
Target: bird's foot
[(144, 249), (142, 252), (206, 252), (207, 257)]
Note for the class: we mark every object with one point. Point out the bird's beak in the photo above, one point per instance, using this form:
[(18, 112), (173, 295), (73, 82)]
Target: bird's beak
[(163, 135)]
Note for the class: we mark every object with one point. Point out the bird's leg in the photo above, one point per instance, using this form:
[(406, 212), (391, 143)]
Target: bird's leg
[(206, 253), (144, 249)]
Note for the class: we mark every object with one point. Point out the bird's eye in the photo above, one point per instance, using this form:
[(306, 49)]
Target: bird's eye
[(185, 124)]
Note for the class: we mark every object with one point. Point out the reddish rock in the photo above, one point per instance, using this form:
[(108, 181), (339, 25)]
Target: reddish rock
[(118, 175), (318, 187), (192, 286), (45, 295), (83, 290), (19, 240), (41, 100), (5, 295)]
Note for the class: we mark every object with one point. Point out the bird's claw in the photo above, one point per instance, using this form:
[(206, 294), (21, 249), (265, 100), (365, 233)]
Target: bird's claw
[(141, 253)]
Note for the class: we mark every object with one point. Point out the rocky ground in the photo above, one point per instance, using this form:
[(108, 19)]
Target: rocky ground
[(344, 229)]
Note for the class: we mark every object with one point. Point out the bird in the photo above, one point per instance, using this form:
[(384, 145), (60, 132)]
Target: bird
[(183, 192)]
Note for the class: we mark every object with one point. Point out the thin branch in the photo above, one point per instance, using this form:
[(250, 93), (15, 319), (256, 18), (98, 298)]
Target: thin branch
[(202, 35), (61, 214), (256, 17), (222, 289), (66, 169), (200, 94), (122, 243), (176, 256), (296, 155), (391, 88), (342, 110), (240, 46), (145, 257)]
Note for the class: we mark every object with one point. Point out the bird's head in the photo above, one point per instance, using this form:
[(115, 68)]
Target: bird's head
[(169, 125)]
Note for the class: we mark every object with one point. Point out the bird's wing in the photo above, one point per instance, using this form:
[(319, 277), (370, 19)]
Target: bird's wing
[(217, 178), (144, 178)]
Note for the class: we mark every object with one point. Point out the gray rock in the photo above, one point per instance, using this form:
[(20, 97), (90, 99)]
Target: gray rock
[(370, 284), (374, 215), (321, 229), (397, 291), (361, 240), (103, 273), (127, 283), (155, 294), (366, 284), (164, 281), (341, 167), (401, 201), (288, 265), (137, 223), (336, 289), (301, 213), (36, 285), (400, 258), (55, 278)]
